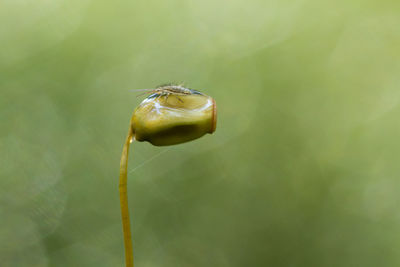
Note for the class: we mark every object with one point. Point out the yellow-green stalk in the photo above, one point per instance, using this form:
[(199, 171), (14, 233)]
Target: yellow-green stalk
[(163, 120)]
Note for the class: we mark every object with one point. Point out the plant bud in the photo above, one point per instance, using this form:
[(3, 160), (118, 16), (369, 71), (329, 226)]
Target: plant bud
[(172, 119)]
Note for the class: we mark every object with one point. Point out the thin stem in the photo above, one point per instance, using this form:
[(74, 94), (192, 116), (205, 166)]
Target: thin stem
[(123, 197)]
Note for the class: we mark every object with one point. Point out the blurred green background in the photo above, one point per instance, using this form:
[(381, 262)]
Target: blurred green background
[(303, 169)]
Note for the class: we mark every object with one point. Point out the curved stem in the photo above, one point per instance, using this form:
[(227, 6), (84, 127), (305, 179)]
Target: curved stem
[(123, 198)]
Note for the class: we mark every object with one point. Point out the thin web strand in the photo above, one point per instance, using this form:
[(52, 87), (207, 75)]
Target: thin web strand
[(150, 159)]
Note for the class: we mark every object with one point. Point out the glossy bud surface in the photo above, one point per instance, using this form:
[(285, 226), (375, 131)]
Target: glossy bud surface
[(168, 120)]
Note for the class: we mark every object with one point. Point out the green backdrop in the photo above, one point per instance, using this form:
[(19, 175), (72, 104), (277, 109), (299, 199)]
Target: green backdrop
[(303, 169)]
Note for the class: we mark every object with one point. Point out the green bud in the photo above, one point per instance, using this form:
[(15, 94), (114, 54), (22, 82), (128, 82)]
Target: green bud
[(173, 119)]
